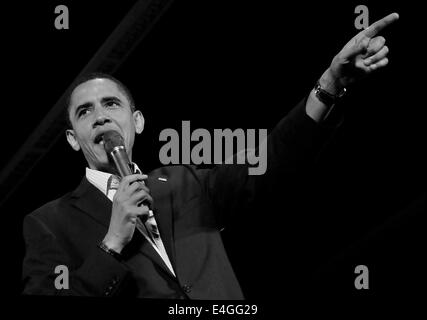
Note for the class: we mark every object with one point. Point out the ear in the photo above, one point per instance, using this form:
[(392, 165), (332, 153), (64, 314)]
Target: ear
[(71, 138), (139, 121)]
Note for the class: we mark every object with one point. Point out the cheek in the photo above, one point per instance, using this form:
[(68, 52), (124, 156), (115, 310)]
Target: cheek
[(81, 128), (84, 140), (128, 140), (129, 131), (131, 141), (96, 153), (84, 143)]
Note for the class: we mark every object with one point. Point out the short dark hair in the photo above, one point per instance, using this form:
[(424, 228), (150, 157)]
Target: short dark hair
[(90, 76)]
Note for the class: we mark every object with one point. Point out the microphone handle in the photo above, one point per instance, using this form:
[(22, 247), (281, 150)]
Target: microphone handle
[(121, 161), (123, 165)]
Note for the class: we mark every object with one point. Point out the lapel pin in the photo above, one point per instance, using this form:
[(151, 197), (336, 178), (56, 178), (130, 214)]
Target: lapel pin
[(163, 179)]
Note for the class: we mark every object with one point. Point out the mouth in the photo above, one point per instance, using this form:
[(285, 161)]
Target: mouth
[(99, 139)]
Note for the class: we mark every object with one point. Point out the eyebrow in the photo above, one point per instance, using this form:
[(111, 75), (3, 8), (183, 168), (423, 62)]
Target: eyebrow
[(103, 100), (109, 99)]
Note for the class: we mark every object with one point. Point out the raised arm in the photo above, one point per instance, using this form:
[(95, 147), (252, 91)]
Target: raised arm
[(297, 139)]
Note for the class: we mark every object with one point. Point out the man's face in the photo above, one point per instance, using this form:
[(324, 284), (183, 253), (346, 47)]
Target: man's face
[(98, 106)]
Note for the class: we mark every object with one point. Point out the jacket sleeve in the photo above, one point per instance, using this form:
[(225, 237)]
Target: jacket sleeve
[(100, 274), (292, 148)]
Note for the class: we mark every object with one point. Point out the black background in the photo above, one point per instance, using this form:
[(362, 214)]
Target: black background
[(241, 64)]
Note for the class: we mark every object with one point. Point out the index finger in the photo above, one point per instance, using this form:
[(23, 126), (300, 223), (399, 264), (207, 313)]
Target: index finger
[(134, 177), (377, 26)]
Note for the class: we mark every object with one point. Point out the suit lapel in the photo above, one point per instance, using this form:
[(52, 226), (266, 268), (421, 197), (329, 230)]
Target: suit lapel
[(94, 203)]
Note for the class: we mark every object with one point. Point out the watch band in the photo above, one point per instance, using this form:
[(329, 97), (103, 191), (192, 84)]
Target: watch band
[(327, 98), (115, 254)]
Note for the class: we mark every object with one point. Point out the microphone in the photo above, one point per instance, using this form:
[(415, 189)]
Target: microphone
[(115, 147)]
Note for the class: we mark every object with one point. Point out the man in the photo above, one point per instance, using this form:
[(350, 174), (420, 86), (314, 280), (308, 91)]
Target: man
[(158, 235)]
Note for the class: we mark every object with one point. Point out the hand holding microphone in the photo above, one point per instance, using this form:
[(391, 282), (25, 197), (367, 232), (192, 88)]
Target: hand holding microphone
[(132, 199)]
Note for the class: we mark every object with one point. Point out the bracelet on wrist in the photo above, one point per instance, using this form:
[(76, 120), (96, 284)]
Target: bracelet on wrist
[(112, 252)]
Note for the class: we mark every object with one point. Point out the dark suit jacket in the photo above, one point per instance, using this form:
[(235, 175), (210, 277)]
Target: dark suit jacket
[(191, 207)]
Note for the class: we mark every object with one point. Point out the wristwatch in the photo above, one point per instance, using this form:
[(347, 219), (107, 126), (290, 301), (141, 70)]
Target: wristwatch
[(327, 98)]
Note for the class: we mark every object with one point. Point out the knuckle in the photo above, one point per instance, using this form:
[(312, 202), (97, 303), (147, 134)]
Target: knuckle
[(143, 210), (141, 186), (364, 43), (142, 193), (126, 209), (117, 200), (359, 64), (130, 178), (132, 212), (138, 212), (132, 219), (147, 197)]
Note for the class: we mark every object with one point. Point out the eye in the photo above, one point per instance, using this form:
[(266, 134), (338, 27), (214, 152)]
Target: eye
[(82, 112), (112, 104)]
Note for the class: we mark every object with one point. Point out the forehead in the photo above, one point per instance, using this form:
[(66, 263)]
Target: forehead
[(95, 89)]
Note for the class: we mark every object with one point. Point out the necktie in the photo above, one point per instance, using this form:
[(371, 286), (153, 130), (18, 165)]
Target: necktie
[(152, 226), (112, 184)]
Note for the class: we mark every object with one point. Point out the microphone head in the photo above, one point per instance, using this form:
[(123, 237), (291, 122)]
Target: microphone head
[(112, 139)]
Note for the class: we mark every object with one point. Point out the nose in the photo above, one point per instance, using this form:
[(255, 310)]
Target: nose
[(101, 118)]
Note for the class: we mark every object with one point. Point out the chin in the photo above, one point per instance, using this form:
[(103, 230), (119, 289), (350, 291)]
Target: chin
[(106, 167), (102, 163)]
